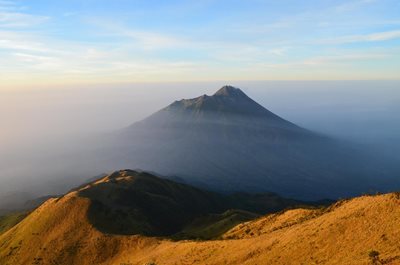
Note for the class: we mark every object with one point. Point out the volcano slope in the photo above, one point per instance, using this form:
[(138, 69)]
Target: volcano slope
[(228, 142), (61, 231)]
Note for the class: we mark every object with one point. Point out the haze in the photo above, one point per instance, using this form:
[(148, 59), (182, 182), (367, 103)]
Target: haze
[(41, 127)]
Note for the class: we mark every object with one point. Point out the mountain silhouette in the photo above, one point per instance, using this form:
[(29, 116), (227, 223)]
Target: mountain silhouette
[(228, 142)]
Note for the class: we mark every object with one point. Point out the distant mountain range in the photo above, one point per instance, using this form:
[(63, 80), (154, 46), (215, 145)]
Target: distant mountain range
[(228, 142)]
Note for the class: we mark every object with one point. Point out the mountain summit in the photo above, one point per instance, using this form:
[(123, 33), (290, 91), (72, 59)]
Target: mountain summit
[(230, 91), (228, 142), (228, 100)]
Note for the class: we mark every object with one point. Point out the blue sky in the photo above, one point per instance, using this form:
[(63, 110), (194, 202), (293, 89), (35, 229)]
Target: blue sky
[(45, 42)]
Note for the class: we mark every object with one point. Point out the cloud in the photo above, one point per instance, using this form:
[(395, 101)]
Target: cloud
[(18, 20), (329, 60), (70, 13), (151, 40), (37, 62), (351, 5), (213, 49), (279, 51), (374, 37), (10, 40), (343, 58), (12, 17), (146, 40), (382, 36), (7, 5)]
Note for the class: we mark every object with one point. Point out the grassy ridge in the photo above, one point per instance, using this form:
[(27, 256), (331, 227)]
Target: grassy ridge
[(214, 225)]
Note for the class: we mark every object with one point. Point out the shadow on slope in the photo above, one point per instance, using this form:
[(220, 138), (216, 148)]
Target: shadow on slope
[(9, 220), (129, 202)]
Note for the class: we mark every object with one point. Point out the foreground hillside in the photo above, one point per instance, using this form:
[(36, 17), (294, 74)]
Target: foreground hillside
[(357, 231)]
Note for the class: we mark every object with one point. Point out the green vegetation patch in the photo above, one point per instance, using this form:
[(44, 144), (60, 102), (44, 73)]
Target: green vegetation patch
[(9, 220)]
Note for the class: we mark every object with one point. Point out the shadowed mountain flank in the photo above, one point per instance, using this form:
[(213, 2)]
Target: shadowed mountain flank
[(130, 202), (228, 142)]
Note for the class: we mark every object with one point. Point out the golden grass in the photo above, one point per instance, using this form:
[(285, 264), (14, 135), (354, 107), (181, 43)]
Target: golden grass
[(58, 232)]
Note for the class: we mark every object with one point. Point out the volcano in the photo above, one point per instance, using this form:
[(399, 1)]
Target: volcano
[(228, 142)]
